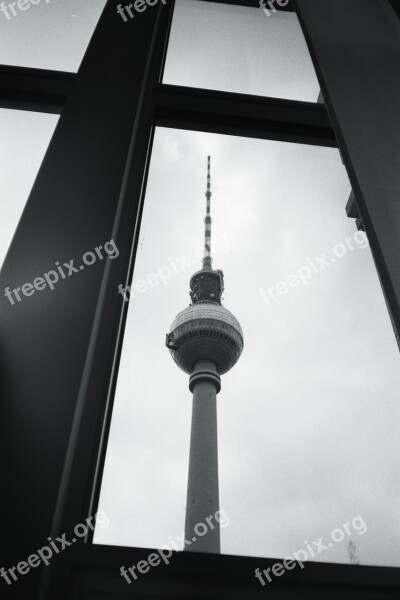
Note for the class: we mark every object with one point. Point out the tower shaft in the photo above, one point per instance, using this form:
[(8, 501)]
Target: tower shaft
[(203, 493)]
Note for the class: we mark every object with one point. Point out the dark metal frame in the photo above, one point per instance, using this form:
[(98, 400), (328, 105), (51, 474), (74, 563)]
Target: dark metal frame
[(89, 569), (34, 89)]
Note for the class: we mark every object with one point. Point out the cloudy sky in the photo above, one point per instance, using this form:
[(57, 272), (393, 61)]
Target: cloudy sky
[(49, 36), (308, 418), (239, 49)]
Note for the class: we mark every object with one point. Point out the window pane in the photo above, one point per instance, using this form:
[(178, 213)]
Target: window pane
[(51, 35), (308, 419), (24, 138), (239, 49)]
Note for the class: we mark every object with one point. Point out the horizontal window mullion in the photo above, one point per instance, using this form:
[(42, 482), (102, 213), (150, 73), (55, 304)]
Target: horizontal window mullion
[(34, 89), (241, 114)]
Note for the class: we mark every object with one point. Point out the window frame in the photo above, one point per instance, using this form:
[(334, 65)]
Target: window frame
[(90, 566)]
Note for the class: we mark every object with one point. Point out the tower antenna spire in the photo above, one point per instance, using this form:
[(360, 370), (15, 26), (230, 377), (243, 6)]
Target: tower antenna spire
[(207, 260)]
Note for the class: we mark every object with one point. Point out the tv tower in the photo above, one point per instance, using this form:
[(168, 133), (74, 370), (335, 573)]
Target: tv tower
[(353, 554), (205, 341)]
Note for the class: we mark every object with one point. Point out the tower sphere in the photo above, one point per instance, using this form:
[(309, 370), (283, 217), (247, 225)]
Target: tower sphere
[(206, 331)]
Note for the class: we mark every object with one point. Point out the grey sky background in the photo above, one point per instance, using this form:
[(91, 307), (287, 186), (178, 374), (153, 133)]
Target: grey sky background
[(49, 36), (308, 418), (239, 49)]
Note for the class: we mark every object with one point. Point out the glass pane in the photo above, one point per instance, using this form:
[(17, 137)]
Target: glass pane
[(24, 138), (239, 49), (48, 35), (308, 418)]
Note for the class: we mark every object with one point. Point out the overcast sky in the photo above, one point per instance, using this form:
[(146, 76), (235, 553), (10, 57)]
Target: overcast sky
[(49, 36), (308, 419), (239, 49)]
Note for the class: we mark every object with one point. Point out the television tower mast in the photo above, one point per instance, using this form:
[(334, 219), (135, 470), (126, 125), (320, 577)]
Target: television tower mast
[(353, 554), (205, 341)]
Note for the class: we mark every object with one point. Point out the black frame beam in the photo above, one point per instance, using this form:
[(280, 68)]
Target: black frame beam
[(36, 90), (363, 106), (202, 576), (184, 108), (243, 115), (256, 4)]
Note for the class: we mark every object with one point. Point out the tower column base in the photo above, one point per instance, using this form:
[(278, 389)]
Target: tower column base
[(202, 529)]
